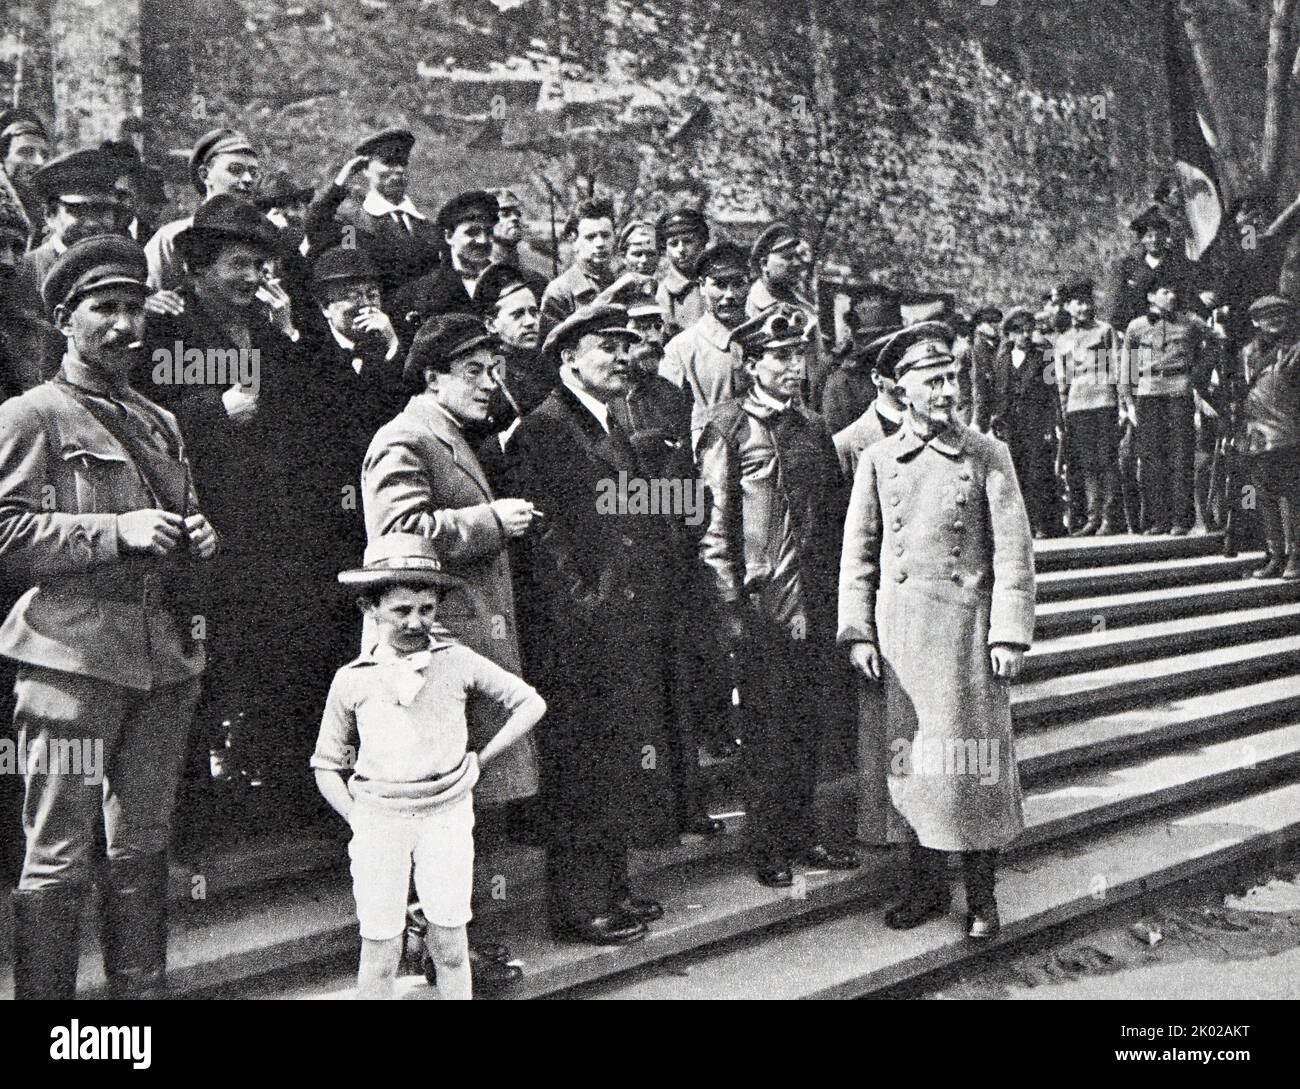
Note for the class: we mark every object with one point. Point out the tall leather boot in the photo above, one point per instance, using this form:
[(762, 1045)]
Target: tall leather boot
[(133, 927), (978, 868), (1290, 517), (1092, 492), (46, 945), (926, 894), (1275, 539)]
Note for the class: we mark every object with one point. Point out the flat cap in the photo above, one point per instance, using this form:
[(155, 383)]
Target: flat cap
[(601, 319), (925, 344), (390, 145), (210, 145), (722, 254), (227, 218), (639, 232), (343, 264), (778, 326), (88, 172), (103, 260), (22, 122), (474, 205), (497, 281), (443, 339), (776, 236), (1273, 304), (684, 220)]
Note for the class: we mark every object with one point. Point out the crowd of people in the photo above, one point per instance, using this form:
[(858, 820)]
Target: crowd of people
[(585, 516)]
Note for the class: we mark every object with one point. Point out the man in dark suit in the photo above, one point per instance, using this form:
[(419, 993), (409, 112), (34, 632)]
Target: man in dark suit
[(465, 225), (1155, 256), (398, 238), (595, 626)]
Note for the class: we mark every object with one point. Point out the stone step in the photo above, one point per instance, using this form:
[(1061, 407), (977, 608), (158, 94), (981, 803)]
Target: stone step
[(714, 899), (1068, 747), (1109, 611), (1091, 650), (1061, 553), (1053, 697), (854, 954), (1151, 575)]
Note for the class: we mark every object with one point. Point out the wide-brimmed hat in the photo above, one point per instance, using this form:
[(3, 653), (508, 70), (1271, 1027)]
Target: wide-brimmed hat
[(227, 218), (400, 558)]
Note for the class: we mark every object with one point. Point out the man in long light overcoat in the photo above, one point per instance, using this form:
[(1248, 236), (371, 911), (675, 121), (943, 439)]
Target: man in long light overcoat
[(937, 603)]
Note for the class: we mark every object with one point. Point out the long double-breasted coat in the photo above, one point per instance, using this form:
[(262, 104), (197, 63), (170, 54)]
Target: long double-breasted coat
[(595, 607), (420, 476), (938, 567)]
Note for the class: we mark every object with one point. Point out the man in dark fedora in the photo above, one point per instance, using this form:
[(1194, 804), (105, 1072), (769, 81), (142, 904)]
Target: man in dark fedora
[(465, 225), (223, 161), (78, 194), (594, 592), (24, 149), (851, 388), (399, 239), (683, 233), (420, 475), (98, 509)]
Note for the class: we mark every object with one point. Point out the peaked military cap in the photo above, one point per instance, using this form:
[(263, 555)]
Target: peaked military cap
[(684, 220), (721, 254), (602, 319), (90, 172), (474, 205), (228, 218), (638, 232), (442, 340), (778, 326), (103, 260), (776, 236), (925, 344), (210, 145), (497, 281), (390, 145)]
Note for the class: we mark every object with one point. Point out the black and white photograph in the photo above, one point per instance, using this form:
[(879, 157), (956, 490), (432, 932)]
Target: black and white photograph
[(667, 501)]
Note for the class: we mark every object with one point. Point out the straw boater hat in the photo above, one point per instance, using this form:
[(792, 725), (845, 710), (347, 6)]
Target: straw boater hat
[(399, 558)]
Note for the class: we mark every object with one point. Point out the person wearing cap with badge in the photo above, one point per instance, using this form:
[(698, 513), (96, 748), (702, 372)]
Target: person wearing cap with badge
[(936, 605), (30, 347), (222, 161), (397, 759), (465, 224), (398, 238), (773, 583), (98, 509), (851, 388), (421, 475), (596, 592), (509, 246), (882, 417), (24, 149), (1268, 429), (78, 194), (683, 233), (704, 359)]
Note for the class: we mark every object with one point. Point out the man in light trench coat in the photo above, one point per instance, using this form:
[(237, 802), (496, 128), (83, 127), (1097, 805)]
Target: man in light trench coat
[(936, 604)]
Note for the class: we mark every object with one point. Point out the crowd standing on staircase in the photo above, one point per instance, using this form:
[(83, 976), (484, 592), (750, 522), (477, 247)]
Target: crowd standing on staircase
[(652, 497)]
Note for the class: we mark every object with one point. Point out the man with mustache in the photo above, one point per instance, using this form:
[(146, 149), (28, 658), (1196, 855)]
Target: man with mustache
[(398, 238), (24, 149), (223, 161), (936, 603), (78, 194), (465, 225), (703, 358), (97, 506)]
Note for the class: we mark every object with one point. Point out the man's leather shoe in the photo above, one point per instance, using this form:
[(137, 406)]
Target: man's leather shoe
[(983, 925), (614, 929), (490, 951), (1088, 529), (705, 826), (1292, 570), (776, 875), (913, 912), (822, 857), (486, 974), (642, 910)]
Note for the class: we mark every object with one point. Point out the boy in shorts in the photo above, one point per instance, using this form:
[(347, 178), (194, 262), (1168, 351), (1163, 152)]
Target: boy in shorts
[(392, 760)]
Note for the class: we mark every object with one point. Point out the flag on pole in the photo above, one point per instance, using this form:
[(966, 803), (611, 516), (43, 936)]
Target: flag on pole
[(1193, 142)]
